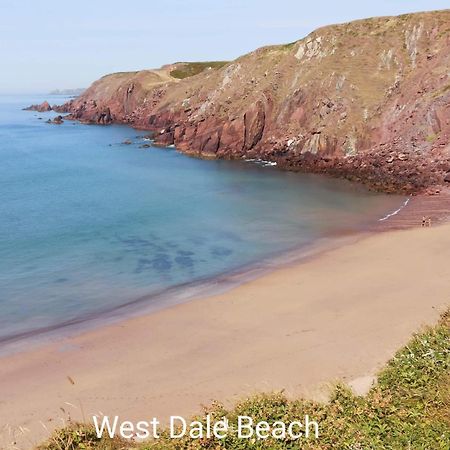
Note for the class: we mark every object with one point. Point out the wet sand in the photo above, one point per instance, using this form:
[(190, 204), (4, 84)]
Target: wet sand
[(340, 315)]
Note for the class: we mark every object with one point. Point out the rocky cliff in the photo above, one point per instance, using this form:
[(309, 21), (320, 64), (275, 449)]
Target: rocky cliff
[(367, 100)]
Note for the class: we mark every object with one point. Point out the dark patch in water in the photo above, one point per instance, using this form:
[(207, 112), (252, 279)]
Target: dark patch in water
[(161, 262), (142, 264), (197, 240), (221, 251), (185, 261), (185, 253), (61, 280), (170, 244), (136, 241)]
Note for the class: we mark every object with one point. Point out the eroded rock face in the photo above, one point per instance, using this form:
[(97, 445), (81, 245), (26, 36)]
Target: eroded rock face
[(233, 136), (104, 116), (309, 105), (254, 123)]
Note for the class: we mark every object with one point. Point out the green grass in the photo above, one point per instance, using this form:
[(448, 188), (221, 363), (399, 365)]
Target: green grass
[(194, 68), (409, 408)]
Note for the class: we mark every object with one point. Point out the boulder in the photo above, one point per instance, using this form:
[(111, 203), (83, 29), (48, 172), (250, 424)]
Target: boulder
[(58, 120)]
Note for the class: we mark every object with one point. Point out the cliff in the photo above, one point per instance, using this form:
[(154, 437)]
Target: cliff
[(367, 100)]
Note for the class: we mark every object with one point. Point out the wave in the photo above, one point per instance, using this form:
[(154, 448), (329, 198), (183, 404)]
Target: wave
[(394, 213), (262, 162)]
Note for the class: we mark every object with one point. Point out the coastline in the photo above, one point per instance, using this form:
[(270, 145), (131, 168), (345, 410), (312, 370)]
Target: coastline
[(177, 295), (277, 331), (408, 215)]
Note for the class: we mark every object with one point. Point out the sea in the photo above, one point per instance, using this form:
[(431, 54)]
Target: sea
[(97, 223)]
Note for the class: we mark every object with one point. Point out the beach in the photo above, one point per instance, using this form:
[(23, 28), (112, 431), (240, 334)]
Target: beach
[(240, 225), (337, 316)]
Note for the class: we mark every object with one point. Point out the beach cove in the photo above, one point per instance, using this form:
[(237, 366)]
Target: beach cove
[(177, 282), (278, 332), (97, 223)]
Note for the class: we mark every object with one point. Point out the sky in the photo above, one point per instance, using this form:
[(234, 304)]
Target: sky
[(45, 45)]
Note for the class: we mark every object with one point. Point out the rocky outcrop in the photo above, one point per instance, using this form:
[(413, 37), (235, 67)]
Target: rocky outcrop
[(58, 120), (368, 101), (43, 107)]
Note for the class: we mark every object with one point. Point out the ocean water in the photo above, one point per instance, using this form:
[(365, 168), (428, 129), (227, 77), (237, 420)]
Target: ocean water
[(88, 224)]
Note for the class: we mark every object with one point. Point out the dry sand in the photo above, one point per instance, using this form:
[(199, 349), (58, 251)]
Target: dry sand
[(340, 315)]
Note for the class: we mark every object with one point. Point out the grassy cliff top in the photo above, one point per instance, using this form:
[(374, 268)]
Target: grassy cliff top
[(189, 69)]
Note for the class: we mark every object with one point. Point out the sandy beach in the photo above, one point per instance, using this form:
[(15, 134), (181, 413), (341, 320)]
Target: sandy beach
[(338, 316)]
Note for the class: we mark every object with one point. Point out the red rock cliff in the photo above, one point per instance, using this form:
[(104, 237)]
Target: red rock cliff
[(368, 100)]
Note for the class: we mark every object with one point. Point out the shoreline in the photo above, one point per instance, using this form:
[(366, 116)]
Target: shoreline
[(408, 215), (275, 332), (185, 292), (318, 166), (176, 295)]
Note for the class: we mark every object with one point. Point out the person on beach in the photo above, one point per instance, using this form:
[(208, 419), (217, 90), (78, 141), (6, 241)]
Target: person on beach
[(426, 221)]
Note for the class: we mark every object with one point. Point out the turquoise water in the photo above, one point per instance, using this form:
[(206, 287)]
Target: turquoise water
[(89, 224)]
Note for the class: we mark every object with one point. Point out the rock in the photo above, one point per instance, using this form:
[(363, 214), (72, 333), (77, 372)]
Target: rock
[(254, 122), (43, 107), (232, 138), (211, 145), (104, 116), (447, 177), (165, 139), (58, 120)]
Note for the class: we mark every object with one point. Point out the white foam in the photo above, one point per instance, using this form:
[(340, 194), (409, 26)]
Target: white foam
[(396, 211), (262, 162)]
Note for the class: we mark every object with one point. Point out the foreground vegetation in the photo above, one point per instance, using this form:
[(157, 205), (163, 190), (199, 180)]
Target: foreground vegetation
[(409, 408)]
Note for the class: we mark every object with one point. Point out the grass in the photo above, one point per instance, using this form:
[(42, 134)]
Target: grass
[(409, 408), (194, 68), (287, 46)]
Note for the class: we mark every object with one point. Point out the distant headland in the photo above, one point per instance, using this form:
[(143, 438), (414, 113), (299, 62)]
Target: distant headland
[(72, 92)]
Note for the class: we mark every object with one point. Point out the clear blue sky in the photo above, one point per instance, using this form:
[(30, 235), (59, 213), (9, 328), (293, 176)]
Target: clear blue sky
[(48, 44)]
